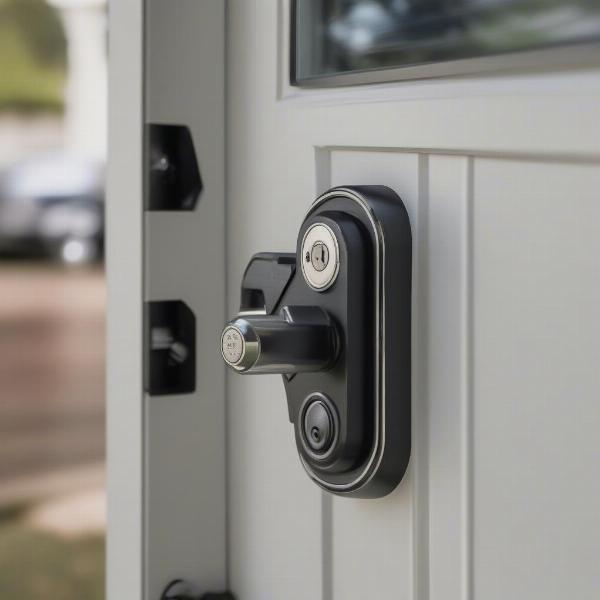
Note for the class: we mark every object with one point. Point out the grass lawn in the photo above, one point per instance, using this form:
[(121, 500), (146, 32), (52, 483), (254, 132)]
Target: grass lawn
[(38, 565), (31, 78)]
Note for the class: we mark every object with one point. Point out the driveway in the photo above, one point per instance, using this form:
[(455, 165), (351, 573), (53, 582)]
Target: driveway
[(51, 372)]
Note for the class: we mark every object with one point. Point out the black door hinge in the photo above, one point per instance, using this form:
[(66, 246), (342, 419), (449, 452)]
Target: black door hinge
[(182, 590), (170, 348)]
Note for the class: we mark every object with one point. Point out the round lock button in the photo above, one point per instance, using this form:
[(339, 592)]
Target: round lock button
[(318, 427), (240, 346), (232, 345)]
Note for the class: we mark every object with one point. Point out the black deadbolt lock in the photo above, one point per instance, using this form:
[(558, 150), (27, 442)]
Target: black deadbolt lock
[(334, 320)]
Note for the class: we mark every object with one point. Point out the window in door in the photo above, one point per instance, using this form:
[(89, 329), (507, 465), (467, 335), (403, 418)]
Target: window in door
[(340, 37)]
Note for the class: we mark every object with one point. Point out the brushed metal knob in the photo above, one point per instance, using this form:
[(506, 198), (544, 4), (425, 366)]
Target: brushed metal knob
[(298, 339)]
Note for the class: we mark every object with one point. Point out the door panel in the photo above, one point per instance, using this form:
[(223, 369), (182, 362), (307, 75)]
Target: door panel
[(536, 379), (447, 323), (500, 179)]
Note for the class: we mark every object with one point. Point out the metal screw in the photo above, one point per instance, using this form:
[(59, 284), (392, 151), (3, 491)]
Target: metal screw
[(161, 163)]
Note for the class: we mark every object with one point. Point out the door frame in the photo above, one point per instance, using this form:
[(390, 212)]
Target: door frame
[(124, 267), (166, 454)]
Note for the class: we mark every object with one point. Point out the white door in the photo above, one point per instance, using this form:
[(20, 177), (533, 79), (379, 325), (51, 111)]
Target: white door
[(498, 162), (500, 176)]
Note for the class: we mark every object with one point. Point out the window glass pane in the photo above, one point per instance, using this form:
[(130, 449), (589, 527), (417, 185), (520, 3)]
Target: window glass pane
[(342, 36)]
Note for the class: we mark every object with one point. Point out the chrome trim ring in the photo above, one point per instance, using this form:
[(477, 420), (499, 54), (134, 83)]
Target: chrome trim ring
[(323, 278)]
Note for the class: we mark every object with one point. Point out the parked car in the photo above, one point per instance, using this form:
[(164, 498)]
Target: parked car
[(53, 205)]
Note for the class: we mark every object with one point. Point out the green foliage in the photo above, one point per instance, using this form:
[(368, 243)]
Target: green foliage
[(40, 25), (32, 56), (39, 566)]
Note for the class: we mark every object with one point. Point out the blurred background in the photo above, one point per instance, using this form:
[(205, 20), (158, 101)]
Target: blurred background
[(52, 298)]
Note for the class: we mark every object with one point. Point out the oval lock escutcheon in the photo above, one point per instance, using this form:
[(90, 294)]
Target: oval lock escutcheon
[(344, 351)]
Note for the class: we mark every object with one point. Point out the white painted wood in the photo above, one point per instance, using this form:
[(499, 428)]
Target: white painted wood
[(185, 521), (536, 525), (448, 368), (124, 335), (504, 334), (166, 455)]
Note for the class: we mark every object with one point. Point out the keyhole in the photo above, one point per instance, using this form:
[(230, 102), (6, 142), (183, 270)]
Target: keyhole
[(315, 433), (319, 256)]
